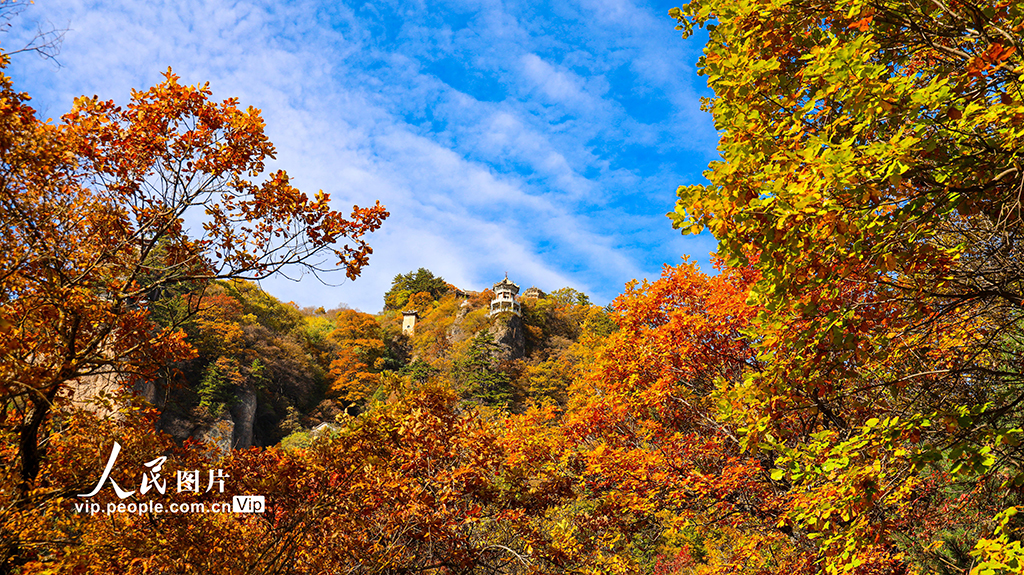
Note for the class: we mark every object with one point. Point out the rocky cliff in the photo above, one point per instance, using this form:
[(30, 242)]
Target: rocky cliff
[(509, 337), (230, 429)]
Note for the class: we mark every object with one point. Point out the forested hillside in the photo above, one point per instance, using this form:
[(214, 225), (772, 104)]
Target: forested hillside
[(264, 370)]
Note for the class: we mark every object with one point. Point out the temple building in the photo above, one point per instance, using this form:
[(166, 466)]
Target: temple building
[(409, 322), (505, 293)]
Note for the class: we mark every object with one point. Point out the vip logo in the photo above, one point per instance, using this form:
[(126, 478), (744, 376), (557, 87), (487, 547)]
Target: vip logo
[(248, 504)]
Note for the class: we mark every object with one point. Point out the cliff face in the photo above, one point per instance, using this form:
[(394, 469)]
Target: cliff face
[(507, 331), (94, 393), (84, 392), (509, 336), (250, 416), (243, 414), (231, 429), (457, 332)]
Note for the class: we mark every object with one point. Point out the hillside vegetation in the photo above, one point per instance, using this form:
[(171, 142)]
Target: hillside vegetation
[(298, 368)]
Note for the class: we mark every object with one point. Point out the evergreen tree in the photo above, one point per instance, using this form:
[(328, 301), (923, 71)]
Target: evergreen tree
[(477, 376), (405, 285)]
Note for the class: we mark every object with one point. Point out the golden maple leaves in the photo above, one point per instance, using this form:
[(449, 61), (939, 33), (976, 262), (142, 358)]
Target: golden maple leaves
[(95, 212)]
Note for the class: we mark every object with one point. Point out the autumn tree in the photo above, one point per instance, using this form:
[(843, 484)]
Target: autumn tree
[(264, 308), (870, 173), (434, 333), (646, 416), (360, 356), (211, 318), (95, 211), (421, 483), (219, 384), (420, 300), (568, 296), (561, 339)]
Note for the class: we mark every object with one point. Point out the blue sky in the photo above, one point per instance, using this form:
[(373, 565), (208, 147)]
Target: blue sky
[(542, 140)]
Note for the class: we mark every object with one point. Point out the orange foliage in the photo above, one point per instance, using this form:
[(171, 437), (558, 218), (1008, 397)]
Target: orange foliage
[(354, 371), (420, 301), (217, 322), (644, 414), (93, 212), (417, 485)]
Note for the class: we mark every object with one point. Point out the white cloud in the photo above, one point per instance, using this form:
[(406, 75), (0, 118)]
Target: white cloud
[(496, 143), (563, 87)]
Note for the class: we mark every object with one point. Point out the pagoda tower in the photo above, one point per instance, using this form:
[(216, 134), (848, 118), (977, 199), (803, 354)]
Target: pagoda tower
[(505, 293)]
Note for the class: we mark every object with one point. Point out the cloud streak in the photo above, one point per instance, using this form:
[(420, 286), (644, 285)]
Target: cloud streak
[(542, 141)]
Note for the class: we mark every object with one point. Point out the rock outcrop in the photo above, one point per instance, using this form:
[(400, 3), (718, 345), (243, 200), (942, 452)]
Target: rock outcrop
[(457, 332), (231, 429), (221, 433), (243, 415), (509, 336)]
